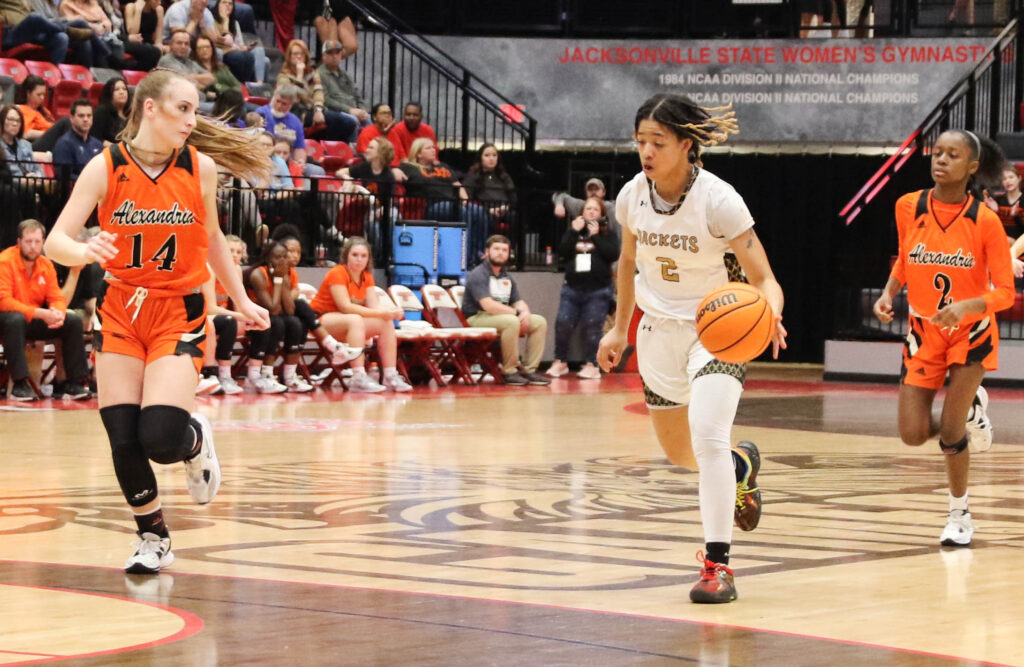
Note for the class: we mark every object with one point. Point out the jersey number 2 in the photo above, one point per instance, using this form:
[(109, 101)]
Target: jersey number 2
[(164, 257), (944, 283), (668, 269)]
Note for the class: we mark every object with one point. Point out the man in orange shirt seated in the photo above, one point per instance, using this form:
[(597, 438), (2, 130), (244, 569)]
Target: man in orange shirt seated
[(33, 308)]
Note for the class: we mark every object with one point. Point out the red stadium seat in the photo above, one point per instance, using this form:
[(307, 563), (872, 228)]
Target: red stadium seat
[(94, 93), (253, 99), (133, 76), (14, 69), (47, 70), (76, 73), (339, 154), (314, 150), (64, 93)]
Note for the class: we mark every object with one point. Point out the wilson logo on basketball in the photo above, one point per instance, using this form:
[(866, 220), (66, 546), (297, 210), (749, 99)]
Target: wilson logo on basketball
[(727, 299)]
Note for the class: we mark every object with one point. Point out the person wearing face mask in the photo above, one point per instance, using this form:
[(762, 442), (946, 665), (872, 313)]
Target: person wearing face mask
[(279, 119)]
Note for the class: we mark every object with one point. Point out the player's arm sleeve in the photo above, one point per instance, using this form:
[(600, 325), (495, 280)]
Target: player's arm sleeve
[(1000, 267)]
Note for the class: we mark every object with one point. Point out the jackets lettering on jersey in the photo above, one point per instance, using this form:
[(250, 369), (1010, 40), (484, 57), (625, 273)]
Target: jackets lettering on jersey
[(675, 241)]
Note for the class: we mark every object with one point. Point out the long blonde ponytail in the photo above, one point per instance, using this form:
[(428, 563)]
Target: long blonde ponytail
[(233, 149)]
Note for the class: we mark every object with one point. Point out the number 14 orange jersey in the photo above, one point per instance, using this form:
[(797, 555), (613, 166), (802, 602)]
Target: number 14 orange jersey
[(161, 236), (951, 252)]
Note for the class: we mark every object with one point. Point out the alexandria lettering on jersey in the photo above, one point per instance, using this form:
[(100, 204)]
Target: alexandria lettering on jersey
[(919, 255), (676, 241), (127, 214)]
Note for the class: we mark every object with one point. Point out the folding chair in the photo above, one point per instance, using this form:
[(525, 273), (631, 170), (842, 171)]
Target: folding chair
[(421, 346), (471, 345)]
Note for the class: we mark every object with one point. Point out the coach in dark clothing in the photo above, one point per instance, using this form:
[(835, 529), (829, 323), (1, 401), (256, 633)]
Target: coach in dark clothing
[(76, 147)]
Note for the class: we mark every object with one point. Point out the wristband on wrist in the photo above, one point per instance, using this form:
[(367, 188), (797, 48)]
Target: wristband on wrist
[(278, 280)]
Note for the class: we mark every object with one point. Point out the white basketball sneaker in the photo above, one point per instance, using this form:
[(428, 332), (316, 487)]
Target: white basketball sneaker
[(958, 530), (151, 554), (979, 427), (202, 471), (343, 353)]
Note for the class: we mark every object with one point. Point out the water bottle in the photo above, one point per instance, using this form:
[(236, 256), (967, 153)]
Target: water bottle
[(549, 258)]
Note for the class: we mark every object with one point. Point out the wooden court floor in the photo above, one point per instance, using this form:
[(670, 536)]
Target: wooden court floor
[(511, 526)]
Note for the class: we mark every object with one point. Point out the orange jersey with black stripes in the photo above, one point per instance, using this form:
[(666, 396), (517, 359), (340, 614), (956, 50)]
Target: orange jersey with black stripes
[(161, 236), (951, 252)]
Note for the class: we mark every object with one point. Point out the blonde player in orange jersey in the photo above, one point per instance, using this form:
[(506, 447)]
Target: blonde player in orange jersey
[(155, 195), (954, 258)]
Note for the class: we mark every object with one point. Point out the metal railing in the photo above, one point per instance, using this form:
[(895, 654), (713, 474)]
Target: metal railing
[(987, 100)]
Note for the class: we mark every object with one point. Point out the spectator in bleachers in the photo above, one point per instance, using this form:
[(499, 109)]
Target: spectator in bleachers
[(270, 285), (105, 45), (230, 106), (196, 19), (336, 24), (410, 128), (347, 291), (30, 98), (572, 207), (375, 174), (445, 198), (228, 25), (590, 250), (278, 116), (382, 120), (488, 183), (111, 114), (20, 158), (77, 147), (145, 55), (242, 16), (205, 55), (298, 71), (177, 59), (492, 300), (340, 92), (144, 23), (21, 25), (33, 308), (84, 43), (255, 119)]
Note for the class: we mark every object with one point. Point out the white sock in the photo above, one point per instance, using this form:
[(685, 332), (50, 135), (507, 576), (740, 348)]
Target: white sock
[(330, 342), (958, 503), (713, 403), (253, 372), (356, 372), (267, 371), (289, 371), (390, 372), (224, 372)]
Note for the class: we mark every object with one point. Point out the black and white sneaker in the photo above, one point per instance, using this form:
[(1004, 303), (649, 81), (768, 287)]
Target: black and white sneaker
[(75, 391), (22, 391), (202, 471), (958, 531), (152, 553)]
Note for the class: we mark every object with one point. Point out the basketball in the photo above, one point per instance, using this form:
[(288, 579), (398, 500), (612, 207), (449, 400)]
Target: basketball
[(735, 322)]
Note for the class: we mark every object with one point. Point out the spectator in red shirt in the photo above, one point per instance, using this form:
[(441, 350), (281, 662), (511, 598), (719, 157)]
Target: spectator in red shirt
[(33, 308), (383, 121), (410, 129)]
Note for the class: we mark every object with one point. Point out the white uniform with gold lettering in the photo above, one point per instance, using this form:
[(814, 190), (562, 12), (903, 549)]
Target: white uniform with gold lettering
[(679, 259)]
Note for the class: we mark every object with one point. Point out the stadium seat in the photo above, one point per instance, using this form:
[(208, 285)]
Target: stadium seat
[(50, 73), (339, 154), (314, 149), (103, 74), (77, 73), (253, 99), (14, 69), (133, 76), (64, 94)]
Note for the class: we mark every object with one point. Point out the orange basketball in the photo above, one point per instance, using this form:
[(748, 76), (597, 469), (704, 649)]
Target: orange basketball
[(735, 322)]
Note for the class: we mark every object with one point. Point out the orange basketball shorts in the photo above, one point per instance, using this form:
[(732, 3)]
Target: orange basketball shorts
[(929, 351), (149, 324)]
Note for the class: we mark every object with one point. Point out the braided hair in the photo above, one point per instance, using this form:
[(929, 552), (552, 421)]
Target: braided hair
[(687, 120)]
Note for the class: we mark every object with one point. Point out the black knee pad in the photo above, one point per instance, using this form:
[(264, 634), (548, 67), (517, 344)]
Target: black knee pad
[(226, 330), (165, 433), (955, 448), (131, 466), (294, 334)]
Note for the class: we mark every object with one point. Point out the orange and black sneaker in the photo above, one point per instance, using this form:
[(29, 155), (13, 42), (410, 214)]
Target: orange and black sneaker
[(716, 583), (748, 495)]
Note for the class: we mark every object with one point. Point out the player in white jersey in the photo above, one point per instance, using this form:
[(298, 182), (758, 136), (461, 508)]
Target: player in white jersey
[(684, 233)]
